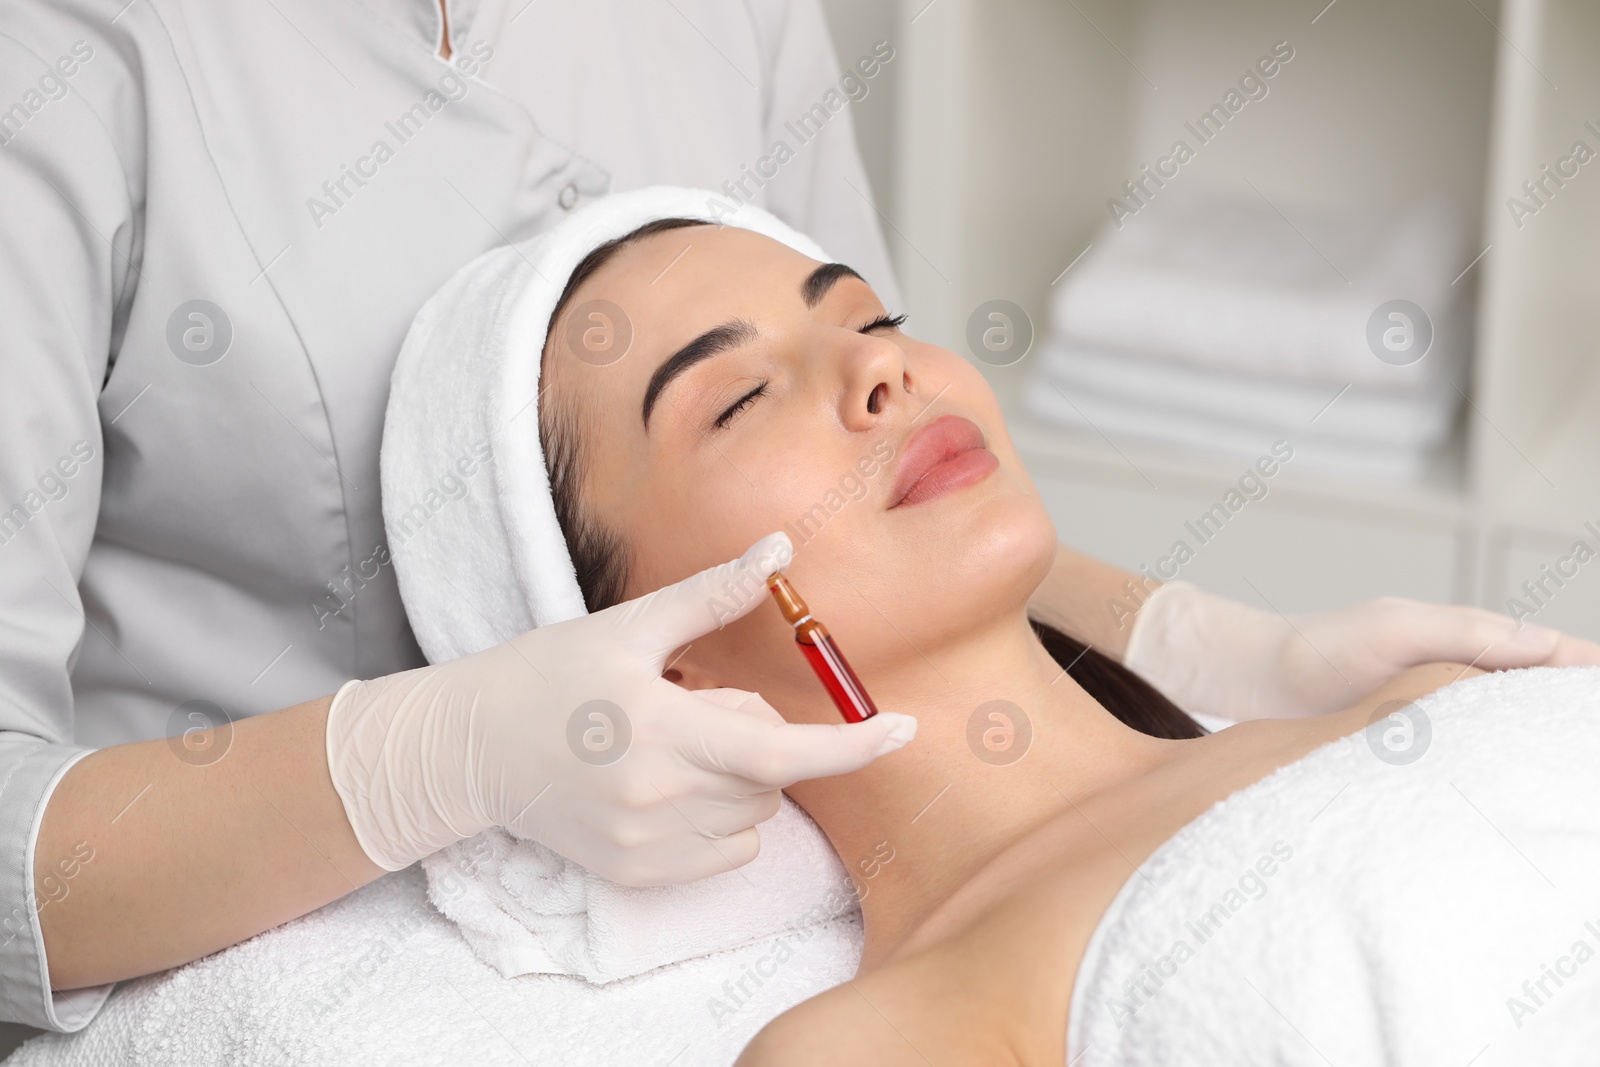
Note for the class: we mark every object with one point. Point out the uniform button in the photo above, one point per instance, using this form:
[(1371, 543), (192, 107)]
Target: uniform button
[(568, 196)]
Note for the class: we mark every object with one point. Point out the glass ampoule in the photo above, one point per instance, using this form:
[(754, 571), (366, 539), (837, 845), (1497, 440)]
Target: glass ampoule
[(820, 650)]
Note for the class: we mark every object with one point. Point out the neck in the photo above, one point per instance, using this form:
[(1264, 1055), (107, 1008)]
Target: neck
[(1006, 741)]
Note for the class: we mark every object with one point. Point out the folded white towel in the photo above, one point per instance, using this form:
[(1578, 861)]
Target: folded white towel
[(380, 977), (527, 911), (1285, 408), (1352, 909), (1221, 279), (1119, 419), (480, 558)]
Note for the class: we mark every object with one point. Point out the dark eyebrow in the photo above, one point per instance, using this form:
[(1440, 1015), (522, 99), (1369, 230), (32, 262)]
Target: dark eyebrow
[(720, 339), (714, 341), (819, 281)]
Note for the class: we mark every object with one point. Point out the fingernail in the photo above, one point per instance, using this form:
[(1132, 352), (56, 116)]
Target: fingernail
[(1541, 638), (770, 554), (898, 736)]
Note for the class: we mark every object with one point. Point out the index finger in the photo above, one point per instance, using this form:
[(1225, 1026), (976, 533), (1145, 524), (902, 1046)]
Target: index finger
[(673, 616), (778, 754)]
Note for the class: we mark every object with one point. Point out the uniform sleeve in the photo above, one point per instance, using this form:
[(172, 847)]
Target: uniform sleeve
[(68, 248), (822, 190)]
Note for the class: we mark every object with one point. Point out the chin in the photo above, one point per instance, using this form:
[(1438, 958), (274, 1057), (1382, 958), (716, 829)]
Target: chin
[(1011, 547), (990, 544)]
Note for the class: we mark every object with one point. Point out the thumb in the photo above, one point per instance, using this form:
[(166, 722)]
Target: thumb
[(673, 616), (779, 754)]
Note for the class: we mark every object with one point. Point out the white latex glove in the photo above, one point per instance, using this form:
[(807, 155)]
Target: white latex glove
[(1216, 657), (656, 785)]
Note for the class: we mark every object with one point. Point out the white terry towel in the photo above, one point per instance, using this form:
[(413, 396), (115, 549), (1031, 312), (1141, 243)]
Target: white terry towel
[(1220, 279), (1351, 432), (1352, 910), (529, 911), (480, 558), (1226, 438), (1389, 418), (378, 976)]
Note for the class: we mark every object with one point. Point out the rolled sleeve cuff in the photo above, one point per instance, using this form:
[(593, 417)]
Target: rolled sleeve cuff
[(29, 771)]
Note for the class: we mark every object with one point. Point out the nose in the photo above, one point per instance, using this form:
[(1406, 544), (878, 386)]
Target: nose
[(877, 380)]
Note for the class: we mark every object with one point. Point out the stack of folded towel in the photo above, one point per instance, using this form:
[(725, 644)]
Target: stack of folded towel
[(1211, 321)]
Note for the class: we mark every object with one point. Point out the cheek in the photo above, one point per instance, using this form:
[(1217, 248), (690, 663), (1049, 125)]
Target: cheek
[(758, 654), (699, 512), (708, 505)]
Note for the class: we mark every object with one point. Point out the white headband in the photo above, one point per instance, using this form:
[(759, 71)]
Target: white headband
[(467, 506)]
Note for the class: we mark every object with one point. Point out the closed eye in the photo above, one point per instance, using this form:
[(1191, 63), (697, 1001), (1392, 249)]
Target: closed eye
[(739, 405), (884, 322)]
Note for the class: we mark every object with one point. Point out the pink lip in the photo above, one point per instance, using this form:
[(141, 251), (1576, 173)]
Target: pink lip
[(943, 456)]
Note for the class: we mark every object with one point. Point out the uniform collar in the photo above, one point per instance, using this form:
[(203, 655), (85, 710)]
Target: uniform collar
[(420, 19)]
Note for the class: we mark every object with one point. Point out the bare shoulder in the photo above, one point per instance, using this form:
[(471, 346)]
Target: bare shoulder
[(1413, 683), (946, 1004), (838, 1026), (1405, 686)]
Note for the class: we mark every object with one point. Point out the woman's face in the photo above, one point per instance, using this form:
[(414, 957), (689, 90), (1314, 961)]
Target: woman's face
[(758, 395)]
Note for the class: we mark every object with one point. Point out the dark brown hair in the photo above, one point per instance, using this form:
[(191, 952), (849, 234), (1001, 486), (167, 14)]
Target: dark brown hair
[(598, 555), (1121, 692), (601, 560)]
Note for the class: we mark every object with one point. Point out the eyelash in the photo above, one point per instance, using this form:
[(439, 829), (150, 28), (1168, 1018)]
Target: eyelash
[(882, 322), (739, 405)]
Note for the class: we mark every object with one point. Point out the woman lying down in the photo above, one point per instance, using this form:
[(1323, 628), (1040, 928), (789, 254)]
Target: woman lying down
[(1425, 888), (1063, 866)]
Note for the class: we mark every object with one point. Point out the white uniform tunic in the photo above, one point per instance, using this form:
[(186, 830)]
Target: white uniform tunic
[(217, 219)]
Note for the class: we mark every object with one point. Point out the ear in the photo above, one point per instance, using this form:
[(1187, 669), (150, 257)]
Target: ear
[(682, 670)]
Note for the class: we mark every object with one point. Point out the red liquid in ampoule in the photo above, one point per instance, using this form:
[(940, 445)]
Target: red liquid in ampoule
[(848, 694)]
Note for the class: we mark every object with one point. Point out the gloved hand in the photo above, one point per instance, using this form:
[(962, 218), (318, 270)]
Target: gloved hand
[(569, 735), (1214, 656)]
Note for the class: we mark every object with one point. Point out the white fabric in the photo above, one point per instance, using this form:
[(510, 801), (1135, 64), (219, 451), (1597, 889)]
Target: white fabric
[(478, 570), (1210, 321), (1223, 437), (380, 977), (1391, 418), (1416, 899), (1221, 280), (525, 911)]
